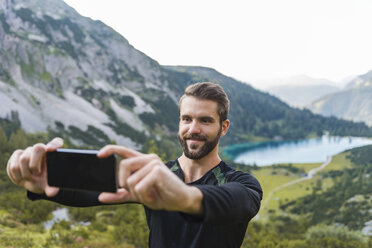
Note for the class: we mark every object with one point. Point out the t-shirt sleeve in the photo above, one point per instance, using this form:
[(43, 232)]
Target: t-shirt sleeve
[(70, 198), (236, 201)]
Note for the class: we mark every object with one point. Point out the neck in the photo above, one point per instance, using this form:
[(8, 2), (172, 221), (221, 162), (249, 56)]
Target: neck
[(195, 169)]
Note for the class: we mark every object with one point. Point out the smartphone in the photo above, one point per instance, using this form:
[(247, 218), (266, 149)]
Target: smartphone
[(81, 170)]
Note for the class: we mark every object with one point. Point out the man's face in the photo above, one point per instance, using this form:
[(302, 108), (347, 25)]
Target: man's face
[(199, 127)]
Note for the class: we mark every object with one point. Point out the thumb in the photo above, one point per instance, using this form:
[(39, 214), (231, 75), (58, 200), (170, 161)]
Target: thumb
[(120, 196), (51, 191), (54, 144)]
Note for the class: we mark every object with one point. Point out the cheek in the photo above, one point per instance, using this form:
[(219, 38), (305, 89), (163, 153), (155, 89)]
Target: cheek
[(182, 129), (215, 131)]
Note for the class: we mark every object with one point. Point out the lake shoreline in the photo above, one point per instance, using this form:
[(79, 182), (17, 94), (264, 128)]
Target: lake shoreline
[(314, 150)]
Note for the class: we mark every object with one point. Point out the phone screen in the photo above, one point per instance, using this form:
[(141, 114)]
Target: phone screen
[(81, 170)]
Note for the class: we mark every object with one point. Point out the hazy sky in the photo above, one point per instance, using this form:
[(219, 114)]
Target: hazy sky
[(246, 39)]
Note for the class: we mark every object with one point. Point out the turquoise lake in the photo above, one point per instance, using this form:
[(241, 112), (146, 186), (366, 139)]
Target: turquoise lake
[(303, 151)]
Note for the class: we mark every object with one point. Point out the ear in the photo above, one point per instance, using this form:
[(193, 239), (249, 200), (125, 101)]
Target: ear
[(225, 126)]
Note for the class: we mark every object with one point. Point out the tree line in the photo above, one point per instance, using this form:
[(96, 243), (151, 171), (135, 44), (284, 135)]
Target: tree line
[(125, 225)]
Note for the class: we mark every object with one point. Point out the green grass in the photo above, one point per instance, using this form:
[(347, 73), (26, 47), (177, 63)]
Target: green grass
[(339, 162), (297, 190), (272, 179), (269, 180), (34, 236), (14, 233), (307, 167), (290, 193)]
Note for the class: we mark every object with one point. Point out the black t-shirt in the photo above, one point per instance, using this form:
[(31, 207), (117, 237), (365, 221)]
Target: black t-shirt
[(230, 200)]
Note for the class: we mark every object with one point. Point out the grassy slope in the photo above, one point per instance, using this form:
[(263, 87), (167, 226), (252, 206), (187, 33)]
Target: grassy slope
[(13, 233), (271, 179)]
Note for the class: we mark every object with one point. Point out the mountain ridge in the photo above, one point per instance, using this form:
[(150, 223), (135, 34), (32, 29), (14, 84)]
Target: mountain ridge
[(351, 103), (300, 90), (64, 72)]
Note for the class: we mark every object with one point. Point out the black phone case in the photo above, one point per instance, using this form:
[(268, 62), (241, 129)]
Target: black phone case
[(81, 170)]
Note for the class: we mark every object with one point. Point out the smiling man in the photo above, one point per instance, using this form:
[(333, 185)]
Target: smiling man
[(200, 129), (196, 200)]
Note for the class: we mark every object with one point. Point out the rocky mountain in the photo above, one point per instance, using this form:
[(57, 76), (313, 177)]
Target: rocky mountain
[(301, 90), (354, 102), (60, 67), (67, 74)]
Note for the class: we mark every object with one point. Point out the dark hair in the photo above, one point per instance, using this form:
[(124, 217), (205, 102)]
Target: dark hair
[(209, 91)]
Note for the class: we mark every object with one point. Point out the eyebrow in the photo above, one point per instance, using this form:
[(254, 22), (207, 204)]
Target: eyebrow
[(210, 118)]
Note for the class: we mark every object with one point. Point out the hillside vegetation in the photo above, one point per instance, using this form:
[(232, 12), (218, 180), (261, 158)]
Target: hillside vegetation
[(65, 75), (298, 216)]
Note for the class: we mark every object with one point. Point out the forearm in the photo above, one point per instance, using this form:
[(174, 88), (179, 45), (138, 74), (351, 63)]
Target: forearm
[(194, 202), (229, 203)]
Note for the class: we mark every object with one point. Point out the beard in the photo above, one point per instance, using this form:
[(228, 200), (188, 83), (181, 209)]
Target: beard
[(204, 150)]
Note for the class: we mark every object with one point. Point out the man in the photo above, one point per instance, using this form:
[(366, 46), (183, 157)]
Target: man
[(194, 201)]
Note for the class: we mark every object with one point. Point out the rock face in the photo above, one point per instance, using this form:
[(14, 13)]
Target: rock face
[(60, 67), (352, 103)]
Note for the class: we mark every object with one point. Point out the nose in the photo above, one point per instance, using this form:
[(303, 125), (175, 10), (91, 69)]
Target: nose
[(194, 127)]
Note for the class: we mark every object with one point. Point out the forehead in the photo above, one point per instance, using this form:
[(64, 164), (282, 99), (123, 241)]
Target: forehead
[(198, 107)]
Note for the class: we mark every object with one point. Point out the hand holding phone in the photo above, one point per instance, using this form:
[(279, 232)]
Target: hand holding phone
[(81, 170)]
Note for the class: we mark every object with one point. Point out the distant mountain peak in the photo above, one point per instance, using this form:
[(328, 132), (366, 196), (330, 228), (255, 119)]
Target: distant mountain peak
[(354, 102), (364, 80), (301, 90)]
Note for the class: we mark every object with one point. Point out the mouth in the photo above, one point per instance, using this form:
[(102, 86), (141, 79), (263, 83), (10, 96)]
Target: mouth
[(195, 142), (195, 138)]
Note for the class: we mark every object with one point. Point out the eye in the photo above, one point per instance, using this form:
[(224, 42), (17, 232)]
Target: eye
[(186, 119), (206, 120)]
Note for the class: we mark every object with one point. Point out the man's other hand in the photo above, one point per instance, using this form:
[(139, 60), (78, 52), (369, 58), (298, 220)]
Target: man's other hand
[(27, 168)]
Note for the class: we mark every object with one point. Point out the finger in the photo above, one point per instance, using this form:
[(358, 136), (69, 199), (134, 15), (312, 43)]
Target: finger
[(130, 165), (25, 163), (36, 159), (120, 196), (13, 167), (126, 167), (54, 144), (145, 190), (119, 150), (133, 179)]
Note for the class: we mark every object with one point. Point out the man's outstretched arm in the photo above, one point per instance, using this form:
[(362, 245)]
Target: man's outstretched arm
[(148, 181), (27, 168)]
